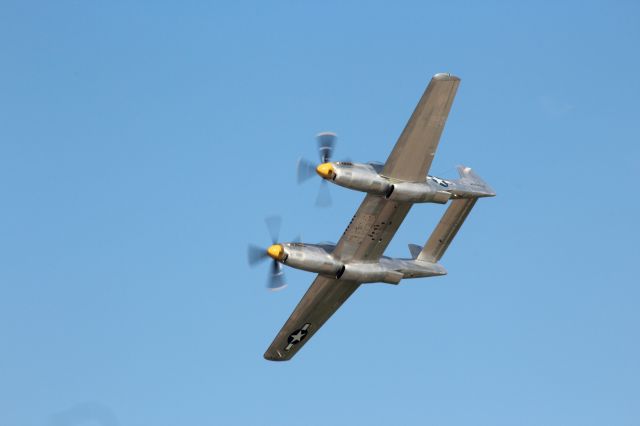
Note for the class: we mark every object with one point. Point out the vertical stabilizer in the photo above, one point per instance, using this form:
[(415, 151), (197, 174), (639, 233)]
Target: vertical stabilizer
[(415, 250)]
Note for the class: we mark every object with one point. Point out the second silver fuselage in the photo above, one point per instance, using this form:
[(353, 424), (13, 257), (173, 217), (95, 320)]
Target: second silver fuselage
[(318, 258)]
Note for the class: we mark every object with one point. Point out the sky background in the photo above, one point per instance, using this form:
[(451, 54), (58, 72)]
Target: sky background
[(143, 143)]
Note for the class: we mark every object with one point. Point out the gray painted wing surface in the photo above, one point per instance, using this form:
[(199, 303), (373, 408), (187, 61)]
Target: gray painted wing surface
[(323, 298), (371, 229), (365, 239), (412, 155)]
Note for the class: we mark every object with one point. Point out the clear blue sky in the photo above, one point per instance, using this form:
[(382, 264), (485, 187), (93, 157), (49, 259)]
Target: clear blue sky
[(143, 143)]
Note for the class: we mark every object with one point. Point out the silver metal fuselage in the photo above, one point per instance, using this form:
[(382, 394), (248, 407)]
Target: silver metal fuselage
[(366, 177), (318, 258)]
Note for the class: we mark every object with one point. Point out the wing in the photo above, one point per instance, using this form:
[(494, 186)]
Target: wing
[(323, 298), (367, 236), (371, 229), (411, 158)]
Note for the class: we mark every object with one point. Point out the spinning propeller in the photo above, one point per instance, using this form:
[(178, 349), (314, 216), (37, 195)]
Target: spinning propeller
[(258, 254), (306, 169)]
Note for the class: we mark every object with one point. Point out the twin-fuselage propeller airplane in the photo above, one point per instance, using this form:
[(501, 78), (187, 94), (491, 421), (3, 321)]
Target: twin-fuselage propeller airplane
[(391, 190)]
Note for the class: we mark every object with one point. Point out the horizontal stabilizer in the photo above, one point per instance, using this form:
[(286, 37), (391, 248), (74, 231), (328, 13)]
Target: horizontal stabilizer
[(469, 177), (446, 230)]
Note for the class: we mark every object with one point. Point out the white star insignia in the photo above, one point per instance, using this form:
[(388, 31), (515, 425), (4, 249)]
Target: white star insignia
[(297, 337)]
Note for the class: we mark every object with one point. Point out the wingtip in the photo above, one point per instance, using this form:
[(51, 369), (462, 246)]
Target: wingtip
[(445, 76), (271, 357)]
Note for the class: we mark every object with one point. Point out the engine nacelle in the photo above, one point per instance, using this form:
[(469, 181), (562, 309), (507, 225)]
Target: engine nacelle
[(361, 177), (314, 258), (417, 192), (311, 258), (365, 178), (368, 273)]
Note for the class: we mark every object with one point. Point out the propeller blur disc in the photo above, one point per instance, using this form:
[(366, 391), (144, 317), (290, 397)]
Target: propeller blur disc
[(273, 226), (324, 195), (276, 278), (256, 254), (326, 143), (306, 170)]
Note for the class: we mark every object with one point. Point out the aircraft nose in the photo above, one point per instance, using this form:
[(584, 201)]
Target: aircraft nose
[(326, 170), (276, 252)]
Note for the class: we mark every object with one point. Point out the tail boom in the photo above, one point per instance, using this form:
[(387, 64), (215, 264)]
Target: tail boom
[(446, 230)]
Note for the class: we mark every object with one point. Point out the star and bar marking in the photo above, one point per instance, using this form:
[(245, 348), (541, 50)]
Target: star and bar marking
[(297, 336)]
